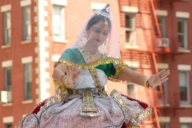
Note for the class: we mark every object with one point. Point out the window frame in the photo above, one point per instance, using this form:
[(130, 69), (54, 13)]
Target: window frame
[(6, 38), (62, 36), (131, 30), (185, 34), (162, 26), (26, 72), (25, 24), (188, 89)]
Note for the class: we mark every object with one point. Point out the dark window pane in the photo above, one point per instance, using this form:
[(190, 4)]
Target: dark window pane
[(183, 93), (128, 21), (183, 83), (8, 79), (28, 81), (180, 27), (181, 41), (8, 125)]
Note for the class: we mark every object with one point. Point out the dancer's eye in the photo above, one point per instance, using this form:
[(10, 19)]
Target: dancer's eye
[(105, 33), (97, 31)]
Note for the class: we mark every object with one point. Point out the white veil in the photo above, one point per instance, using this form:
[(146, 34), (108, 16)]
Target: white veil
[(111, 48)]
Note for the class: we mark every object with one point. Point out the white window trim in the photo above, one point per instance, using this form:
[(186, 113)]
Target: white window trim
[(185, 119), (27, 101), (163, 66), (130, 9), (164, 119), (5, 8), (55, 57), (25, 3), (132, 64), (28, 59), (7, 63), (182, 14), (59, 2), (161, 12), (183, 67), (8, 119), (97, 6)]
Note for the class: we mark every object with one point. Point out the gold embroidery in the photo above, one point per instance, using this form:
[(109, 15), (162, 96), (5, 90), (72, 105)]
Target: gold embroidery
[(89, 108), (143, 115), (114, 80), (91, 65), (120, 101), (119, 68)]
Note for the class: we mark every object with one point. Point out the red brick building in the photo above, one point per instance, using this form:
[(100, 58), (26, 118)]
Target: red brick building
[(34, 33)]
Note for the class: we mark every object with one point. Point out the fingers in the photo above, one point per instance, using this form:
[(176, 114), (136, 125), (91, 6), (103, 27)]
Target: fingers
[(77, 75), (163, 74), (165, 80)]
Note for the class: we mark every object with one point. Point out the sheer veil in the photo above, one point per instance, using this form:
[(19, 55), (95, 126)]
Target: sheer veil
[(111, 47)]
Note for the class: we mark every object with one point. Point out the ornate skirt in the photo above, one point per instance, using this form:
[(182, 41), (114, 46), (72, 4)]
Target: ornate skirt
[(115, 111)]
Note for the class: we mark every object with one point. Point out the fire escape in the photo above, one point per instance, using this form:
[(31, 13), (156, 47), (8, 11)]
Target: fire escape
[(160, 48)]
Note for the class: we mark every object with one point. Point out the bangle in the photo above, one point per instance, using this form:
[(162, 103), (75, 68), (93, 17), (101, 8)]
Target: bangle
[(146, 85), (62, 78)]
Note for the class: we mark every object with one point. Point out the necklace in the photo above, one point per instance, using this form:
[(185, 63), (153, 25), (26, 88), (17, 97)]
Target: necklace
[(93, 57)]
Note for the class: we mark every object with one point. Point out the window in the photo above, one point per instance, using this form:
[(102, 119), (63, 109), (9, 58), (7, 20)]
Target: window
[(182, 33), (26, 23), (130, 28), (184, 87), (8, 82), (164, 125), (28, 81), (185, 125), (8, 125), (7, 28), (163, 98), (162, 26), (58, 23), (131, 88)]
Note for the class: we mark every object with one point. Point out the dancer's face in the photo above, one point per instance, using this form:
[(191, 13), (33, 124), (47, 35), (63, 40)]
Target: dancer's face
[(98, 33)]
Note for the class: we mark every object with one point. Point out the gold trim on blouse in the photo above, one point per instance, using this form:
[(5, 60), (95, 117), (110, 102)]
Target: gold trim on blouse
[(91, 65)]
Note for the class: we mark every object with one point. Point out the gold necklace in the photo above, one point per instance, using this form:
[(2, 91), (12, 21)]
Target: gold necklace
[(93, 57)]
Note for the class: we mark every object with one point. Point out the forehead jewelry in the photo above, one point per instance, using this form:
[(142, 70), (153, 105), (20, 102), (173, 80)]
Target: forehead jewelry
[(106, 23)]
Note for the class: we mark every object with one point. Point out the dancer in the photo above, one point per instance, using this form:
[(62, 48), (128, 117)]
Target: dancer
[(81, 74)]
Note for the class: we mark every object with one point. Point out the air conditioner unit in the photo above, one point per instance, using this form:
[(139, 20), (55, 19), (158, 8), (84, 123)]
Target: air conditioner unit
[(162, 42), (6, 96)]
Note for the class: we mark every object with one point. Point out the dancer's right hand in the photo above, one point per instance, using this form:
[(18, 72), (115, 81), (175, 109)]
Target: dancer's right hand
[(72, 75)]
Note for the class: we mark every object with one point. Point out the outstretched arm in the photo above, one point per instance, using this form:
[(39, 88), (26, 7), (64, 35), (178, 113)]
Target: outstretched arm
[(137, 78)]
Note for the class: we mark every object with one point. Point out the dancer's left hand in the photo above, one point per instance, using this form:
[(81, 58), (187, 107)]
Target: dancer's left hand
[(158, 78)]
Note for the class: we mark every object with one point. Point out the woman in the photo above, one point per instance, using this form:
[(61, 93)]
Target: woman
[(81, 74)]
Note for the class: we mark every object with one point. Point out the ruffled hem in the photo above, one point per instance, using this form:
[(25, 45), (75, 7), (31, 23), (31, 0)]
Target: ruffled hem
[(46, 106)]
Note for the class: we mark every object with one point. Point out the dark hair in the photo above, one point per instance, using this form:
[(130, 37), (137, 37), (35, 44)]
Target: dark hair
[(96, 19)]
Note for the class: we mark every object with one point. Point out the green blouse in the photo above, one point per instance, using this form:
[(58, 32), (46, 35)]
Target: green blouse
[(75, 56)]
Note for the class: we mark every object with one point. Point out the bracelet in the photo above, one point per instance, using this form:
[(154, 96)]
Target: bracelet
[(146, 85), (62, 78)]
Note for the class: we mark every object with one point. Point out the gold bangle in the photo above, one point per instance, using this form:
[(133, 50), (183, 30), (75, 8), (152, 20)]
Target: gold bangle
[(147, 85)]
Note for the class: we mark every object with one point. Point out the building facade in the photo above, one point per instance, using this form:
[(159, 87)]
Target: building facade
[(34, 33)]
